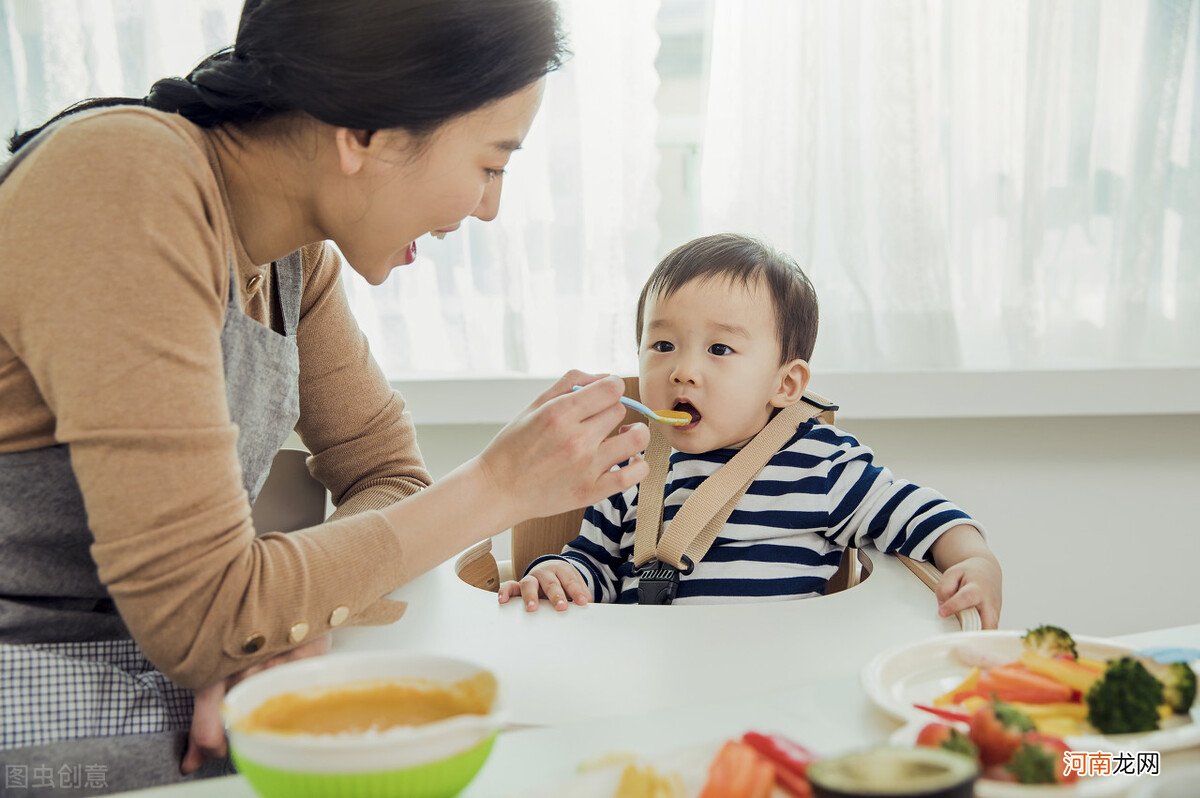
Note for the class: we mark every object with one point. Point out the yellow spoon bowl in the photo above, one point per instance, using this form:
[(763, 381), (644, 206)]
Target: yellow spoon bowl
[(673, 418), (676, 418)]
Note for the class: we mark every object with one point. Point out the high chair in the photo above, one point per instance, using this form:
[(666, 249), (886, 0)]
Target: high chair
[(538, 536), (291, 498)]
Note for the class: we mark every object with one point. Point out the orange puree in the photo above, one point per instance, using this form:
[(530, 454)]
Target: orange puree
[(363, 706)]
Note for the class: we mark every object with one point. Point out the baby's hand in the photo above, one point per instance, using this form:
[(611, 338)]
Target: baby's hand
[(554, 579), (974, 582)]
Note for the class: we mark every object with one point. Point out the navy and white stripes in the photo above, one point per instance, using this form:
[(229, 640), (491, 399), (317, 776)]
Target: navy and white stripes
[(819, 494)]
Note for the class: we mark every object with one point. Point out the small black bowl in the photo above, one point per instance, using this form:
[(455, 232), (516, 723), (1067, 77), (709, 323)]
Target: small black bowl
[(894, 773)]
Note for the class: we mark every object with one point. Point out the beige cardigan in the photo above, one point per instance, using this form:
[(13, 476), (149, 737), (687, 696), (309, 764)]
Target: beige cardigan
[(115, 240)]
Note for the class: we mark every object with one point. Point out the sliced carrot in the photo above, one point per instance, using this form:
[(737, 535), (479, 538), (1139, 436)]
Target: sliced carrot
[(963, 696), (738, 771), (1005, 689), (1015, 695), (1025, 680)]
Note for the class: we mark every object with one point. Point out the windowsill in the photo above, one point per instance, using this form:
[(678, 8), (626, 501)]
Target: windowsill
[(892, 395)]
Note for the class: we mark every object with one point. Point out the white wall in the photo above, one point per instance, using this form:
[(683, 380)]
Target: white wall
[(1094, 519)]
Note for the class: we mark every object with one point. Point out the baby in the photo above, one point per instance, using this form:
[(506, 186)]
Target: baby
[(725, 329)]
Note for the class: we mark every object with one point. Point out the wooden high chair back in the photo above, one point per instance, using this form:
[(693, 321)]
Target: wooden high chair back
[(537, 536), (291, 498)]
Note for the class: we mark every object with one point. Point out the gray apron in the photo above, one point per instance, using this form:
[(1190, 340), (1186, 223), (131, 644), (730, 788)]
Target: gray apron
[(82, 712)]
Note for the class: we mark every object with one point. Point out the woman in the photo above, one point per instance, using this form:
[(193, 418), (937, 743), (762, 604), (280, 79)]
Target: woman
[(171, 312)]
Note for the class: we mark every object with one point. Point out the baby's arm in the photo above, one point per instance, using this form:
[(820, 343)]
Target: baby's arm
[(586, 569), (970, 575), (868, 504)]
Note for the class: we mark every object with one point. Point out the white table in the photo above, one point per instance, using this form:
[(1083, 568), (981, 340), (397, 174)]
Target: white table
[(656, 679), (649, 658)]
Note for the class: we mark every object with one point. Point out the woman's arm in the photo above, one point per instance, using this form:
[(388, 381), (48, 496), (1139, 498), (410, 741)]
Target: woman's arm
[(363, 444), (554, 457)]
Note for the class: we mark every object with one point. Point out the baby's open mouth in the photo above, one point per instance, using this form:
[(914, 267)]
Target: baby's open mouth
[(690, 409)]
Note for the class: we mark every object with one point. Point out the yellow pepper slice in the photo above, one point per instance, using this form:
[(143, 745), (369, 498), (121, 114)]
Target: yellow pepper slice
[(946, 699), (1071, 674)]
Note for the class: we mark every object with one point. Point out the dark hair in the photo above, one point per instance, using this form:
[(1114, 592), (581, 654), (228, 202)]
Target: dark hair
[(364, 64), (743, 260)]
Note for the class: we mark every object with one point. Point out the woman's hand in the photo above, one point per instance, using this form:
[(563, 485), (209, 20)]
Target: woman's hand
[(556, 455), (555, 579), (206, 738)]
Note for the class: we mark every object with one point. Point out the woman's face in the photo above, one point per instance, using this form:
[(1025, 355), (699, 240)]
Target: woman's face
[(394, 189)]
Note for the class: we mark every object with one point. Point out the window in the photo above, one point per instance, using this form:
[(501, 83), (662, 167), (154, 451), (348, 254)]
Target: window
[(970, 185)]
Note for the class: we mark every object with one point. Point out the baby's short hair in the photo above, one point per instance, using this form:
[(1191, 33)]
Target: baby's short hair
[(743, 259)]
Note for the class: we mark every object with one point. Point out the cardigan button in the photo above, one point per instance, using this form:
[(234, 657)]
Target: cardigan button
[(339, 616), (253, 283), (298, 632), (254, 643)]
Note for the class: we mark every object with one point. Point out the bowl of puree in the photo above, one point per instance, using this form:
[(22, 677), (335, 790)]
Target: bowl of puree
[(360, 725)]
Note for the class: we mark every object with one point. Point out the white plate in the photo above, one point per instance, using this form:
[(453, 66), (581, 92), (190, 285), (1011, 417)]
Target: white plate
[(916, 673), (1177, 782), (1095, 787)]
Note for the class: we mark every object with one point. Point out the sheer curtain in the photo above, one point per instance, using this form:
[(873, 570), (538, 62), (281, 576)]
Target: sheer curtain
[(56, 52), (970, 184), (550, 285)]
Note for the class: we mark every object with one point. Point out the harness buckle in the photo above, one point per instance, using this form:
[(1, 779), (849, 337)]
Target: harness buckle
[(657, 583)]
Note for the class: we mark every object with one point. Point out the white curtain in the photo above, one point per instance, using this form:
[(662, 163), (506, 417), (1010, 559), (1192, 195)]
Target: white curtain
[(56, 52), (548, 286), (970, 184), (552, 283)]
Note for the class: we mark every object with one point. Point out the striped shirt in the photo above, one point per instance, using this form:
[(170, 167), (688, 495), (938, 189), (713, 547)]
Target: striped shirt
[(820, 493)]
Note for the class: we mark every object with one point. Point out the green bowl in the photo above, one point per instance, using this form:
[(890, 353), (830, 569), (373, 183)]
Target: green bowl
[(439, 779), (430, 761)]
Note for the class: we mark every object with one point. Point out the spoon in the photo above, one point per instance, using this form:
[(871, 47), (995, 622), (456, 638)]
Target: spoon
[(673, 418)]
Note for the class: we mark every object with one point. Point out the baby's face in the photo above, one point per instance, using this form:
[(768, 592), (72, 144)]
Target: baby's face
[(711, 349)]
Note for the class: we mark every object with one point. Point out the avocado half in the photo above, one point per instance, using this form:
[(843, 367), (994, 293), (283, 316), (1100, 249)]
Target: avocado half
[(907, 772)]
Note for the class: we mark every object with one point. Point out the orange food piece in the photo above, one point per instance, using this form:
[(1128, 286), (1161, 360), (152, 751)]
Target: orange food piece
[(1019, 684), (738, 771)]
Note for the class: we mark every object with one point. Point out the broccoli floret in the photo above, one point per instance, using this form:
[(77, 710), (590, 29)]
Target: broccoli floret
[(1033, 764), (1012, 718), (1050, 641), (1179, 684), (1125, 699), (960, 743)]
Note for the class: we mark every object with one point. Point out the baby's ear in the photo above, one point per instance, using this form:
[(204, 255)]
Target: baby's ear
[(792, 382)]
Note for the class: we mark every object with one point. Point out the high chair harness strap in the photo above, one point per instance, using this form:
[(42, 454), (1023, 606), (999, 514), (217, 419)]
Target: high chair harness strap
[(658, 555)]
